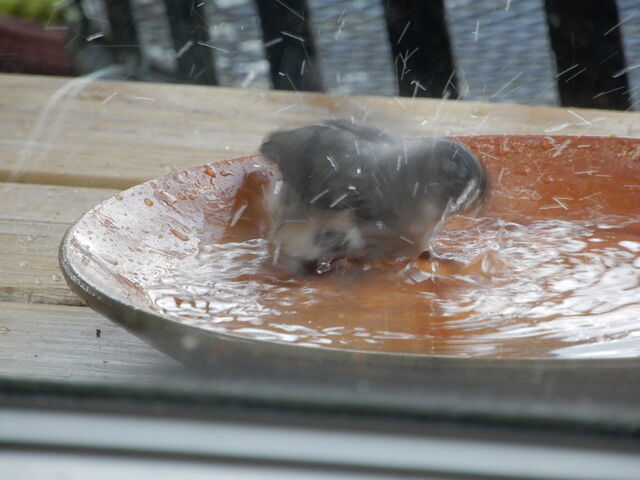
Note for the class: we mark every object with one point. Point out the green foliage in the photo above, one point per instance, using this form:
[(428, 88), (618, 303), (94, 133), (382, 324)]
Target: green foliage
[(48, 12)]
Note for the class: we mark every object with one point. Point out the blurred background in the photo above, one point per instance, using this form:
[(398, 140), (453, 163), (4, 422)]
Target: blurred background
[(109, 406), (539, 52)]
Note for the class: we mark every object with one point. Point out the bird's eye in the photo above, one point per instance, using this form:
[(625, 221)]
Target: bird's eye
[(453, 170)]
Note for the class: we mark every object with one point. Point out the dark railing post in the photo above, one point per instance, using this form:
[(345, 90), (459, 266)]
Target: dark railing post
[(586, 40), (289, 44), (124, 44), (189, 31), (102, 35), (421, 48)]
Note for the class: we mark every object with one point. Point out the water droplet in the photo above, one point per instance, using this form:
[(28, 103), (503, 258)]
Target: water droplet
[(323, 267), (118, 197), (148, 202), (277, 187), (548, 179), (238, 213), (209, 171), (547, 143), (503, 146), (318, 196), (180, 235), (189, 342)]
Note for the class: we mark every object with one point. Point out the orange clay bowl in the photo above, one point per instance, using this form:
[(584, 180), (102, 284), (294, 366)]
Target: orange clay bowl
[(540, 284)]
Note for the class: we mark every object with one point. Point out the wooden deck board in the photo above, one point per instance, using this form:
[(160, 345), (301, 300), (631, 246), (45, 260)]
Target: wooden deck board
[(33, 219), (54, 342), (117, 134), (45, 332)]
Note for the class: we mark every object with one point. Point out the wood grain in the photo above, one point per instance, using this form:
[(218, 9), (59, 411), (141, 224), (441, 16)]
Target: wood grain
[(60, 342), (117, 134), (67, 144), (45, 333), (33, 219)]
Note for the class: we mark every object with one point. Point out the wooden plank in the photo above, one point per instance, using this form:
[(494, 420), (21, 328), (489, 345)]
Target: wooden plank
[(56, 342), (117, 134), (48, 203), (502, 54), (29, 264), (43, 332), (33, 219)]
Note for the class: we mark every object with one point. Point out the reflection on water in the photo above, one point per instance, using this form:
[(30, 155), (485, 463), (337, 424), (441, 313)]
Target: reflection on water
[(499, 289)]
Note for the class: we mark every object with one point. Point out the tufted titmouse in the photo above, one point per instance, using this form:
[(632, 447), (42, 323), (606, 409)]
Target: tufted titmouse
[(357, 192)]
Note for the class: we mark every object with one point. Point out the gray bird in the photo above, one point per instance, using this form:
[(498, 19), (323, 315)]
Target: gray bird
[(357, 192)]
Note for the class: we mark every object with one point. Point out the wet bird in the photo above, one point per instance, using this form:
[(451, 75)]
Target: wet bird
[(357, 192)]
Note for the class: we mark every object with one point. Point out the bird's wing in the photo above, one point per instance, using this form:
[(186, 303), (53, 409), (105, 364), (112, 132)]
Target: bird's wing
[(329, 165)]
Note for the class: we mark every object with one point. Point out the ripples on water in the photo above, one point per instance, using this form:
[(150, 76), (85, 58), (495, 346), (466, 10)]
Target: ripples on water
[(551, 288)]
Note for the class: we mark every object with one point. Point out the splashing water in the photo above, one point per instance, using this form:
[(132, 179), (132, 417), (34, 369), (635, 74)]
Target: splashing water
[(551, 288), (51, 120)]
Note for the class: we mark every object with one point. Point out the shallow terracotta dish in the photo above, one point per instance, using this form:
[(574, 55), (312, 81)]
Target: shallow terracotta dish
[(133, 258)]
